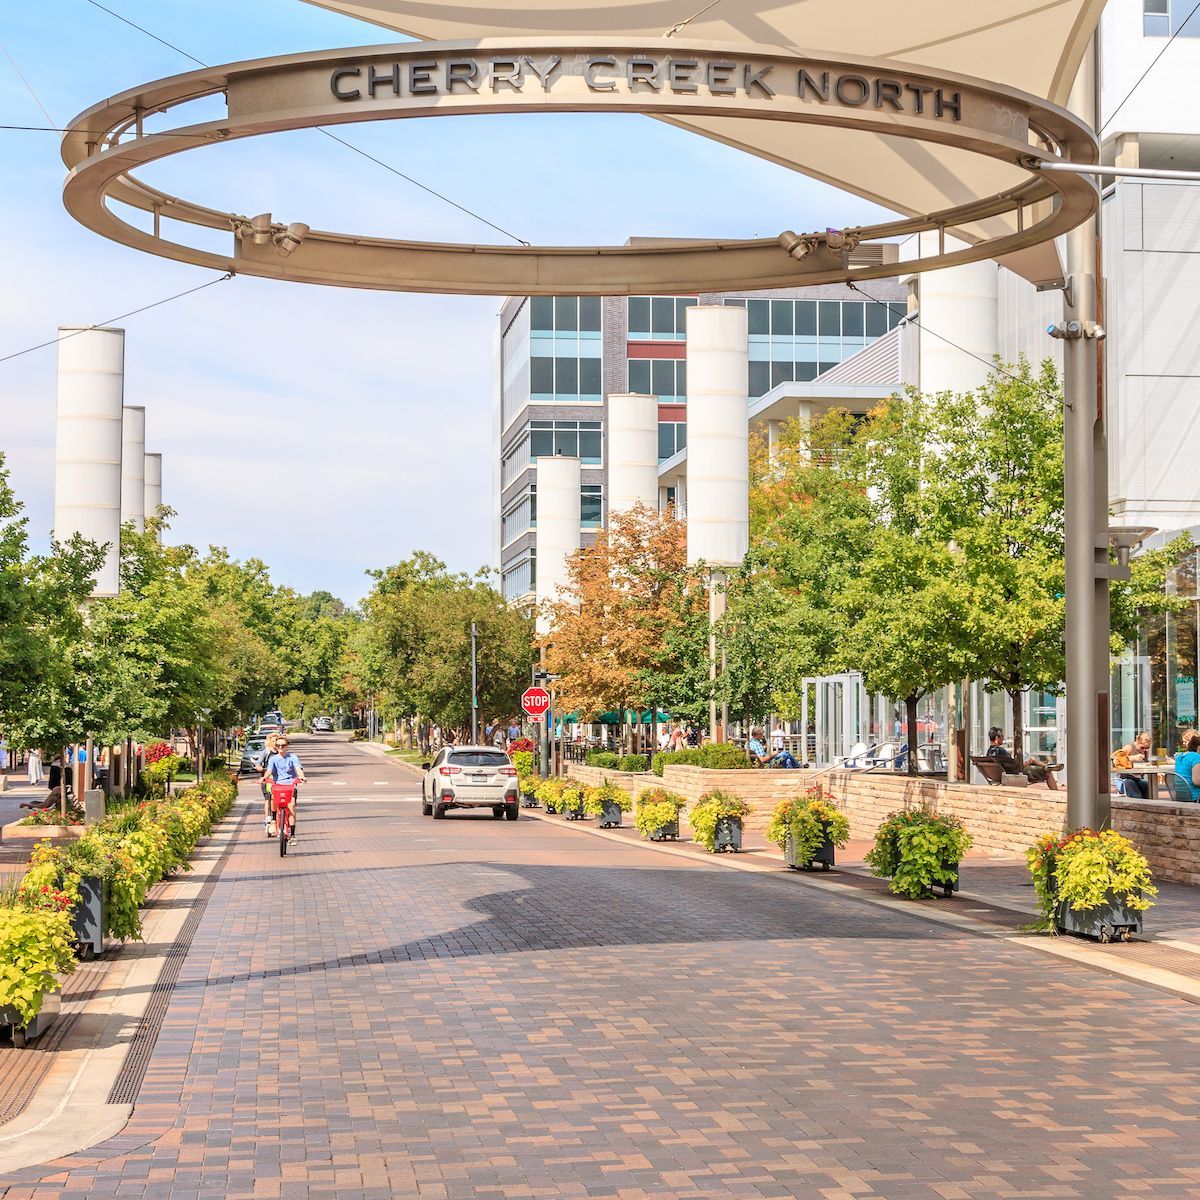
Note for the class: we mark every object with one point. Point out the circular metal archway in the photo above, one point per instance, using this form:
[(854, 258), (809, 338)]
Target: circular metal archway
[(657, 77)]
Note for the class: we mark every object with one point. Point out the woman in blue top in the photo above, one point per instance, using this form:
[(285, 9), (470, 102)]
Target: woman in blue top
[(1187, 765)]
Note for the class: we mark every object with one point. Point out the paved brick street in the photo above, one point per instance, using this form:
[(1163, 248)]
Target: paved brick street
[(475, 1008)]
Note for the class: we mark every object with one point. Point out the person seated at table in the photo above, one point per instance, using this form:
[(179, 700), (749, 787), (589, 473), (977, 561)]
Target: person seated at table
[(759, 756), (1138, 750), (1187, 765), (1000, 752)]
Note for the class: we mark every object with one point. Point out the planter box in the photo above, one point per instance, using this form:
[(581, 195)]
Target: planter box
[(823, 855), (576, 813), (610, 816), (948, 889), (21, 1033), (16, 832), (667, 832), (88, 917), (1110, 921), (729, 835), (529, 800)]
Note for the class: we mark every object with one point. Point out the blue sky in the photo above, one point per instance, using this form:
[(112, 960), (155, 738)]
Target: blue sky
[(325, 430)]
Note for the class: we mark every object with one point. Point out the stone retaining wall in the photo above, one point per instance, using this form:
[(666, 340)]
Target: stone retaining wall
[(631, 781), (1006, 820)]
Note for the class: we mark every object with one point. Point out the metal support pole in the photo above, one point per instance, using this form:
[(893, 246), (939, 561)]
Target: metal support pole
[(716, 610), (1086, 511), (474, 690)]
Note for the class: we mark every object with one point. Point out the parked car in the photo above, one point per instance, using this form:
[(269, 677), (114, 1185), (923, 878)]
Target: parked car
[(252, 755), (266, 728), (470, 777), (322, 724)]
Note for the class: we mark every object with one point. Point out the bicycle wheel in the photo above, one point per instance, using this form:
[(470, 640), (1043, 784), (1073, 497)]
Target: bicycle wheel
[(283, 835)]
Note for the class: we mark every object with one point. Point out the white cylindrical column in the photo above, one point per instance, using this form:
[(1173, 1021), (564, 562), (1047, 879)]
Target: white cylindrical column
[(133, 466), (152, 493), (558, 522), (87, 447), (632, 452), (718, 462)]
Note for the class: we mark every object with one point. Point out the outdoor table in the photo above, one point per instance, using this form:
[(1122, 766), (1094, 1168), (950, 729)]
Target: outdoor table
[(1158, 773)]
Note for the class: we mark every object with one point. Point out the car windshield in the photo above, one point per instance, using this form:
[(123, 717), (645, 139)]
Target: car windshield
[(479, 758)]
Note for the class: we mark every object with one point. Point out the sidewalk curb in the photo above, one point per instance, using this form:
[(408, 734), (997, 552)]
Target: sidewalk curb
[(375, 750), (1079, 952), (69, 1112)]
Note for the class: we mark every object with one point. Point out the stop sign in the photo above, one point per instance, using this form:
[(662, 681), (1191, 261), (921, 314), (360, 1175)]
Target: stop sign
[(535, 701)]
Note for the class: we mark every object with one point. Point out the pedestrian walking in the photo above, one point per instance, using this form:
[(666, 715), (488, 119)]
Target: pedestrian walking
[(35, 766)]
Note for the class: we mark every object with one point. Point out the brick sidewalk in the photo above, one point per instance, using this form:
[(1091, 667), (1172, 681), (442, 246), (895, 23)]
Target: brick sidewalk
[(480, 1009)]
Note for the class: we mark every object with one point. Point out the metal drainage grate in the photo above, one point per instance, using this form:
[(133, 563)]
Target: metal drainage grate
[(128, 1083)]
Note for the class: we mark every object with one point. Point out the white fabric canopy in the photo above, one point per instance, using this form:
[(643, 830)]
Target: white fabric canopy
[(1033, 45)]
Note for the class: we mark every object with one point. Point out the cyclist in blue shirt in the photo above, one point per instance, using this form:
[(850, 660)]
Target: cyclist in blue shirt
[(284, 767)]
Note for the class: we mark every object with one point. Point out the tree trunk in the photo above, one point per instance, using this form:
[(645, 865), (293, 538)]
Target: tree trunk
[(1018, 727), (910, 704)]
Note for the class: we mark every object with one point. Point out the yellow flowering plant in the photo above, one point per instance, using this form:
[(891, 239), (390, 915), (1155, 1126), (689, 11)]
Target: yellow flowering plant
[(1086, 869), (810, 820), (710, 810), (657, 809)]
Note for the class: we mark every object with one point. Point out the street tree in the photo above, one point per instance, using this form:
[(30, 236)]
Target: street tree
[(609, 638)]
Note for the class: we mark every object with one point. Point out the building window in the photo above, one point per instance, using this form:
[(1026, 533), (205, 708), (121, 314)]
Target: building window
[(565, 314), (566, 349), (515, 460), (591, 505), (519, 517), (672, 437), (801, 339), (575, 439), (519, 576), (659, 318), (665, 378), (1170, 18)]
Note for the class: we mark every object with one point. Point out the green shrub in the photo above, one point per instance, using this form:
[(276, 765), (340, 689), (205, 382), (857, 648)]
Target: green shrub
[(602, 758), (918, 850), (665, 758), (709, 810), (637, 763), (35, 949), (156, 776), (523, 761), (724, 756), (718, 756), (657, 808), (808, 820)]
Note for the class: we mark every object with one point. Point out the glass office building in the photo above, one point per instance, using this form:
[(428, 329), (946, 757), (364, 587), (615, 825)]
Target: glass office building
[(560, 356)]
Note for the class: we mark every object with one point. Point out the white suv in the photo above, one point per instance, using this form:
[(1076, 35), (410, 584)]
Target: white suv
[(470, 777)]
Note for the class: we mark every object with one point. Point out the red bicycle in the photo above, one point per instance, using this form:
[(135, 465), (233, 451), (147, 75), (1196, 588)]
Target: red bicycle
[(283, 803)]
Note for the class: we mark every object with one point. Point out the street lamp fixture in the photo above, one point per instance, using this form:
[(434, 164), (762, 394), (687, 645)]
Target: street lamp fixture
[(1127, 538)]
